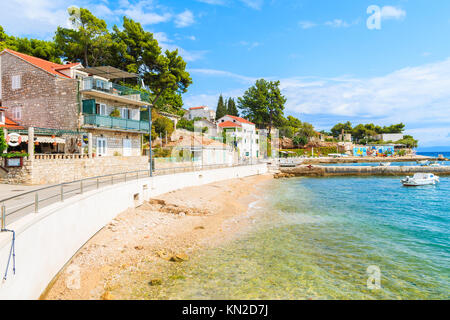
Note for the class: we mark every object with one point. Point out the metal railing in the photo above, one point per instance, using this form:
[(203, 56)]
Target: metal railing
[(90, 83), (112, 122), (18, 206)]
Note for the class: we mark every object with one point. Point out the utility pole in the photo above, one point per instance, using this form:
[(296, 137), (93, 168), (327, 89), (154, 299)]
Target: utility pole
[(150, 155)]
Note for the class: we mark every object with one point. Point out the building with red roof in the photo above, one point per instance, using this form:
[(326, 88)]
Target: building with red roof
[(201, 112), (247, 140)]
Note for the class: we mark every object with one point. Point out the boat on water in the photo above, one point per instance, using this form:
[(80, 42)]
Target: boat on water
[(385, 164), (420, 179), (423, 162), (435, 164)]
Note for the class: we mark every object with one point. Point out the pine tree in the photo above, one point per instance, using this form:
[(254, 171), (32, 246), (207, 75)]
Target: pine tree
[(221, 108), (231, 108)]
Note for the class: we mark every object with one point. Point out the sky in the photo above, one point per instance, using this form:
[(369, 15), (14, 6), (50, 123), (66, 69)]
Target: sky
[(332, 65)]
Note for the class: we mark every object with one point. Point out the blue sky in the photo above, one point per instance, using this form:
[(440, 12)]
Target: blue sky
[(331, 66)]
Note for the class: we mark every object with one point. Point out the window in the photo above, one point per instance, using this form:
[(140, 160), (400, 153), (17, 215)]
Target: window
[(15, 82), (126, 147), (101, 146), (125, 113), (101, 109), (2, 117), (16, 113)]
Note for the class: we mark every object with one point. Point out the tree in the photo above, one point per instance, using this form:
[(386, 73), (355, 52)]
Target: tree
[(221, 109), (263, 103), (294, 122), (90, 43), (337, 129), (38, 48), (163, 126), (3, 145), (394, 128), (409, 141), (300, 140), (231, 108)]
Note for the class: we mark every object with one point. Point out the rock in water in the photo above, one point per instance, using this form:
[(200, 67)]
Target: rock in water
[(179, 257), (155, 282), (107, 296)]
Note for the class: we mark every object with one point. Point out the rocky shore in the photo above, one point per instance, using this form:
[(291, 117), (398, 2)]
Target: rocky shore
[(323, 171)]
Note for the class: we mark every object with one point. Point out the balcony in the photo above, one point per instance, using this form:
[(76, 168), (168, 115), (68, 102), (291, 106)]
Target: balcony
[(115, 123), (109, 90)]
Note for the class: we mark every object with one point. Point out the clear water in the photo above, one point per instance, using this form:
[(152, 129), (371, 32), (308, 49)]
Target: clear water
[(314, 238), (376, 164)]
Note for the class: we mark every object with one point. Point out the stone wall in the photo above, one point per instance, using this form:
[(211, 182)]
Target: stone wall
[(54, 171), (47, 101)]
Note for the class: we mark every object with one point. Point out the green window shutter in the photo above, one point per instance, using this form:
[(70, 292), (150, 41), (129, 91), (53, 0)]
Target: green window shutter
[(144, 115), (89, 106)]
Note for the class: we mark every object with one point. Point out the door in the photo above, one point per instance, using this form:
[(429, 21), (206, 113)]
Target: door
[(126, 147), (101, 147)]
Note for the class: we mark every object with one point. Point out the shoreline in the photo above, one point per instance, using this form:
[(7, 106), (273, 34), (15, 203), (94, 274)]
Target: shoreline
[(155, 236)]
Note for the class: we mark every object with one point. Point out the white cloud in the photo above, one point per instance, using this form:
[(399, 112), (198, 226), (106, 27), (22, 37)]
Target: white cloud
[(249, 45), (254, 4), (25, 17), (143, 12), (390, 12), (221, 73), (337, 23), (184, 19), (214, 2), (307, 24), (417, 96)]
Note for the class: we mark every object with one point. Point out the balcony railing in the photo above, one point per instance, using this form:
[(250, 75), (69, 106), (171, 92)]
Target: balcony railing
[(117, 123), (90, 83)]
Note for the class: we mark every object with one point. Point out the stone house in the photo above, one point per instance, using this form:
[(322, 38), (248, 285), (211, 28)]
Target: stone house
[(43, 94)]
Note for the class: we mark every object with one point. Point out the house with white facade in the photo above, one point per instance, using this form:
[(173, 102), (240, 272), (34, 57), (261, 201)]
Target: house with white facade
[(201, 112), (389, 137), (245, 135)]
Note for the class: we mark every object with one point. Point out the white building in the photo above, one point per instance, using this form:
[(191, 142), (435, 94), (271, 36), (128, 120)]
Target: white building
[(201, 112), (389, 137), (244, 132)]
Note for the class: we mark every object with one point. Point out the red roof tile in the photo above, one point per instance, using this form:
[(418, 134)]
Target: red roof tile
[(196, 108), (48, 66), (240, 119), (229, 124), (9, 124)]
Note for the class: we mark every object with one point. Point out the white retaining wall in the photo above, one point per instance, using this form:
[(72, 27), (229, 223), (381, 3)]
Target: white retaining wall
[(45, 241)]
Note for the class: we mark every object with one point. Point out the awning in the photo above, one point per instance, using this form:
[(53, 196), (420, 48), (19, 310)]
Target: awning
[(109, 72), (44, 139)]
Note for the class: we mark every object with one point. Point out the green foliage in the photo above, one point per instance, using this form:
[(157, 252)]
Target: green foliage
[(231, 108), (115, 113), (221, 109), (409, 141), (90, 44), (38, 48), (337, 129), (300, 140), (3, 145), (294, 122), (287, 131), (14, 155), (159, 152), (263, 104), (185, 124), (163, 126)]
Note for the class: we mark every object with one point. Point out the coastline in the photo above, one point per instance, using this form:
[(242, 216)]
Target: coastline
[(156, 236)]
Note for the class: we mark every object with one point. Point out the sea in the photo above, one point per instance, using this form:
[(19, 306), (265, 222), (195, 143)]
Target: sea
[(329, 238)]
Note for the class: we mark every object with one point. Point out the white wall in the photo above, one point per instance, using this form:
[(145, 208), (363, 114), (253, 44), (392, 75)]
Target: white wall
[(47, 240)]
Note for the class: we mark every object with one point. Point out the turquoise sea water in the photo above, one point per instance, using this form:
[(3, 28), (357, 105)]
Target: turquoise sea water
[(314, 238)]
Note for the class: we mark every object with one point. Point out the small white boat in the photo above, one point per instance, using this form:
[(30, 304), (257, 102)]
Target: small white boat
[(423, 162), (385, 164), (435, 164), (420, 179)]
